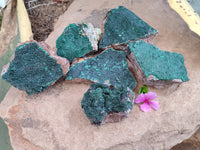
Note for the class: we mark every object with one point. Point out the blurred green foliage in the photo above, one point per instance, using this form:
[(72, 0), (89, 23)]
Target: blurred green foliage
[(1, 17), (4, 136), (195, 5)]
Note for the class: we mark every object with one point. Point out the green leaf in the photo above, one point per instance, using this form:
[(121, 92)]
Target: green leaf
[(143, 90)]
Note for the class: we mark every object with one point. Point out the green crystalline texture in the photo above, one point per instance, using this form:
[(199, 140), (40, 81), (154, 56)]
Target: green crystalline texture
[(122, 25), (161, 64), (101, 99), (73, 42), (110, 67), (32, 69)]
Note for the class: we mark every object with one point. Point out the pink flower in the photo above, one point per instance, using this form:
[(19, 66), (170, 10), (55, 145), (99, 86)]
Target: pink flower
[(145, 98)]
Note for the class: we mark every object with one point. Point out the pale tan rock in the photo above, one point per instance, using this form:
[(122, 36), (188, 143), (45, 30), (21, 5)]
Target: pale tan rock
[(193, 143), (54, 120)]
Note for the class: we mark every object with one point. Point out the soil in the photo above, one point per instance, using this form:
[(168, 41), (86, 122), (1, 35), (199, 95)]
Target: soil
[(43, 14)]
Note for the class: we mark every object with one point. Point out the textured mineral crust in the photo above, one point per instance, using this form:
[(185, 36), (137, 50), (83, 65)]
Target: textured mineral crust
[(32, 68), (77, 40), (102, 103), (154, 66), (122, 25), (65, 64), (110, 67)]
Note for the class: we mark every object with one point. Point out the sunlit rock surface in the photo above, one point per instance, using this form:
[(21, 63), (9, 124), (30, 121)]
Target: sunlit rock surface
[(54, 118)]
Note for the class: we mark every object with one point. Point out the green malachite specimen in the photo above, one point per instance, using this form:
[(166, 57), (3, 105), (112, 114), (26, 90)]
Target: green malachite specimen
[(122, 25), (101, 100), (110, 67), (162, 65), (77, 40), (32, 69)]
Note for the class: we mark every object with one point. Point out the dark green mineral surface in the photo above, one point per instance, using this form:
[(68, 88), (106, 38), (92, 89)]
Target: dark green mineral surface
[(110, 67), (32, 69), (100, 100), (122, 25), (73, 42), (161, 64)]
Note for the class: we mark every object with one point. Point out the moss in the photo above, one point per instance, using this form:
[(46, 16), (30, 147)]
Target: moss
[(101, 99)]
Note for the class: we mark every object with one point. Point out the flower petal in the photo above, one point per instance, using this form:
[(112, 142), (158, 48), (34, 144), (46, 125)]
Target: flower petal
[(154, 104), (150, 95), (145, 107), (140, 99)]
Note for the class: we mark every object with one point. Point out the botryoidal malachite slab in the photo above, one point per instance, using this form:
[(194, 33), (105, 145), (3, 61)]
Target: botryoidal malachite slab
[(32, 69), (110, 67), (101, 101), (77, 40), (162, 65), (122, 25)]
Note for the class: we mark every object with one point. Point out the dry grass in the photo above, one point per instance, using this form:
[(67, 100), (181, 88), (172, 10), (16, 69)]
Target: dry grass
[(43, 14)]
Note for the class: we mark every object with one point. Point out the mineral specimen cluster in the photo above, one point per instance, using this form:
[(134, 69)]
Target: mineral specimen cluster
[(32, 68), (160, 67), (102, 103), (77, 40), (122, 25), (109, 67), (102, 60)]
